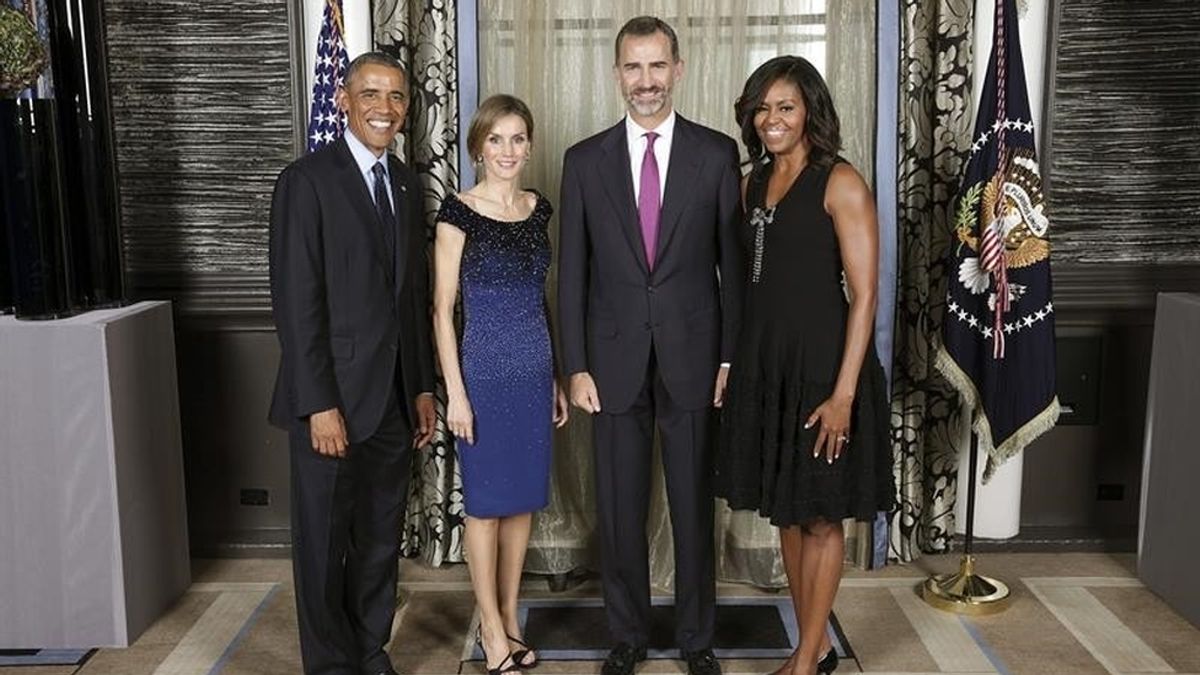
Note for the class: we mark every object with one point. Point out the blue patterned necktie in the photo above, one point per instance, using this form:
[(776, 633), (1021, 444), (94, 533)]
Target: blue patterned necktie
[(387, 217), (383, 204)]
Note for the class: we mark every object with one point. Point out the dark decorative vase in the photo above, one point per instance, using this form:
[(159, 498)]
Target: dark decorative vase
[(79, 59), (32, 190), (6, 297)]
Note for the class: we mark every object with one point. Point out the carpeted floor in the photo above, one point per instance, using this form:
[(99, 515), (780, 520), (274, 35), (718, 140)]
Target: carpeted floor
[(1070, 614)]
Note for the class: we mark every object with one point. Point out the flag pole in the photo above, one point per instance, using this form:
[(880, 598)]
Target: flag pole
[(964, 591)]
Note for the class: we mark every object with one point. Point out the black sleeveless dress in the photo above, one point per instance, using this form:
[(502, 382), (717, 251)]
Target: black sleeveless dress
[(787, 359)]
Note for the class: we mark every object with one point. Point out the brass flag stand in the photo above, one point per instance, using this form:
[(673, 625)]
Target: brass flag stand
[(964, 591)]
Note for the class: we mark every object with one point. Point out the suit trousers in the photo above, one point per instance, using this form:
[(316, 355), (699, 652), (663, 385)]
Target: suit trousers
[(346, 518), (624, 446)]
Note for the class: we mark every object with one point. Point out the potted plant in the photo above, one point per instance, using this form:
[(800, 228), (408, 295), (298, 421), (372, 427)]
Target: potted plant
[(22, 55)]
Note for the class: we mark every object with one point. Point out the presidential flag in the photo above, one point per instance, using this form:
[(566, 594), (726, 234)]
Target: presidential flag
[(325, 121), (998, 330)]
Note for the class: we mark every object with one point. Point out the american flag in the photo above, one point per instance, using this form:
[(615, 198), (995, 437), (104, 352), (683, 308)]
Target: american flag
[(325, 121)]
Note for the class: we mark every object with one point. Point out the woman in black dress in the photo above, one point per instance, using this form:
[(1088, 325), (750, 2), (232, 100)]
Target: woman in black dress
[(804, 428)]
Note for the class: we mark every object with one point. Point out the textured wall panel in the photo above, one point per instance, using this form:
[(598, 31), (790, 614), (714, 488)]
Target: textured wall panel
[(204, 103), (1125, 137)]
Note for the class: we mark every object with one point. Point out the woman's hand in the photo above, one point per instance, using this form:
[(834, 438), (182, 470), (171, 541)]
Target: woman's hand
[(459, 418), (561, 407), (834, 417)]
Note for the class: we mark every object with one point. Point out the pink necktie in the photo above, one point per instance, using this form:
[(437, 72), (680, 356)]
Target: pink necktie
[(649, 199)]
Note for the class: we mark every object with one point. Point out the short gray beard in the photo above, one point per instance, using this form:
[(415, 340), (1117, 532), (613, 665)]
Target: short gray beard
[(647, 109)]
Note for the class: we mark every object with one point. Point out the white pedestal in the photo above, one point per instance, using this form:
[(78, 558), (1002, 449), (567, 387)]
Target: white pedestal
[(1168, 545), (93, 523), (997, 504)]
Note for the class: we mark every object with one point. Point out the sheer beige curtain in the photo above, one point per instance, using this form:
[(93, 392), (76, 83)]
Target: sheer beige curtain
[(558, 57)]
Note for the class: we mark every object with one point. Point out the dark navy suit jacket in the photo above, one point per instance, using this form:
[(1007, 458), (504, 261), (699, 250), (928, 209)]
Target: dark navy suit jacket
[(612, 307), (347, 310)]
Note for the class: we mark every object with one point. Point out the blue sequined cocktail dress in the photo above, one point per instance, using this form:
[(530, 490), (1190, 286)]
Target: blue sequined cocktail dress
[(506, 360)]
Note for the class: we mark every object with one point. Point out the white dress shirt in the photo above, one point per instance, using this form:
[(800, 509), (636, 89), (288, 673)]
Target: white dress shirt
[(635, 136), (366, 161)]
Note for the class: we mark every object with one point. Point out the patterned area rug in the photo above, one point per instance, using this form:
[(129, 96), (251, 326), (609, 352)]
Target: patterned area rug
[(44, 657), (576, 629)]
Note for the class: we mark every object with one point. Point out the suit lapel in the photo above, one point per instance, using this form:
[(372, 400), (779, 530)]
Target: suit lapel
[(355, 189), (618, 184), (681, 179), (400, 198)]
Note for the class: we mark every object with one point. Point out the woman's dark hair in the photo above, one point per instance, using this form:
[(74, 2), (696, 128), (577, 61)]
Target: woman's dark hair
[(821, 126)]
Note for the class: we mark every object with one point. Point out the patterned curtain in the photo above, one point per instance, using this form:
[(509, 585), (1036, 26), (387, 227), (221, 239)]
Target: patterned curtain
[(934, 135), (421, 33)]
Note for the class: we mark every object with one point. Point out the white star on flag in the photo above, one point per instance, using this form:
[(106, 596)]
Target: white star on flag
[(325, 121)]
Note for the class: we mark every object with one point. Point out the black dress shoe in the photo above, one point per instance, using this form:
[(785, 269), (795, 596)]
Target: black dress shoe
[(622, 659), (702, 662)]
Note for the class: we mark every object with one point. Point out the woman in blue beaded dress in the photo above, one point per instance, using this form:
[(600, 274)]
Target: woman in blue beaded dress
[(804, 434), (502, 398)]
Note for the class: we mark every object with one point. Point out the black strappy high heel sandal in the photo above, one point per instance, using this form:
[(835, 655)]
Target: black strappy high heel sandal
[(520, 654), (500, 669)]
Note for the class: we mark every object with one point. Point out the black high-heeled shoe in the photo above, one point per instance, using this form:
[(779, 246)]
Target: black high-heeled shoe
[(825, 666), (500, 669), (520, 654), (828, 663)]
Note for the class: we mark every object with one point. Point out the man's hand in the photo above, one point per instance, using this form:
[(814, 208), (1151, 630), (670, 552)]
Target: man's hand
[(426, 420), (583, 392), (719, 388), (561, 411), (328, 432)]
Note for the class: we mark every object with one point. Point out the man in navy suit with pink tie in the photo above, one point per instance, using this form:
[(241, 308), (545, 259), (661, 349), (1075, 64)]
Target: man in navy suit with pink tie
[(648, 289)]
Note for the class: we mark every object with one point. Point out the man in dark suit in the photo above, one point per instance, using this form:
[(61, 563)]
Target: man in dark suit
[(649, 283), (349, 289)]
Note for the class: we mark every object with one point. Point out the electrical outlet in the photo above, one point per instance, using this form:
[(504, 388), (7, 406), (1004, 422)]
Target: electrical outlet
[(255, 497)]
